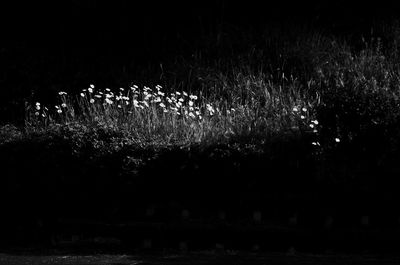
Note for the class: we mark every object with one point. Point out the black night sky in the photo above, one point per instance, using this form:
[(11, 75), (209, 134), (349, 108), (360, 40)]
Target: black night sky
[(76, 22)]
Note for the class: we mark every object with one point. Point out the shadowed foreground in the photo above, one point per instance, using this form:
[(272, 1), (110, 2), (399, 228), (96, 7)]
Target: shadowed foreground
[(197, 258)]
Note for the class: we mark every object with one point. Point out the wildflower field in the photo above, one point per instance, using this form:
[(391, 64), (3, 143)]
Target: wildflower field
[(305, 122)]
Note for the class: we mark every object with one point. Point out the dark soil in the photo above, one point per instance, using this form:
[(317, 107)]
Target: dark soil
[(209, 258)]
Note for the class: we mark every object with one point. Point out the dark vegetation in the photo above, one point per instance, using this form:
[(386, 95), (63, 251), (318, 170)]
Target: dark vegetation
[(265, 157)]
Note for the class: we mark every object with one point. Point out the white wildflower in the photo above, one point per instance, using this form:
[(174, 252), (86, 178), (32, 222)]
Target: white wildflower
[(209, 107)]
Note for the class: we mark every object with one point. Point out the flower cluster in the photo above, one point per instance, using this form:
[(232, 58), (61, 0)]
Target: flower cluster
[(39, 111), (300, 111), (135, 100)]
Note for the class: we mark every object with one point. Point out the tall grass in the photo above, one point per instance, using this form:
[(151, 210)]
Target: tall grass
[(146, 115), (304, 84)]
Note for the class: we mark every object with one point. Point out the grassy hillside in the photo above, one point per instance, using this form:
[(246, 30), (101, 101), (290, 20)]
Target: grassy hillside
[(244, 120)]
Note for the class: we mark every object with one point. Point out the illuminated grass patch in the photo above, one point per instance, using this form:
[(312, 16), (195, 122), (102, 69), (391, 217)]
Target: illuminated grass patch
[(150, 114)]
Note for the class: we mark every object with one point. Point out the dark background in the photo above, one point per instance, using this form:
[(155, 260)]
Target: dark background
[(79, 23)]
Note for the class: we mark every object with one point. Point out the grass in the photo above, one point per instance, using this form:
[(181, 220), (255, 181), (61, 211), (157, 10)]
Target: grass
[(146, 115), (283, 82), (241, 95), (279, 113)]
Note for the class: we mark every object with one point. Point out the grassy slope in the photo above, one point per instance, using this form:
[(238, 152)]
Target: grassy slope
[(266, 154)]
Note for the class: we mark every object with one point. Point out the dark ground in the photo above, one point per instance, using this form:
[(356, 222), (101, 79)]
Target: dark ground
[(209, 258)]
